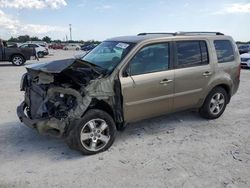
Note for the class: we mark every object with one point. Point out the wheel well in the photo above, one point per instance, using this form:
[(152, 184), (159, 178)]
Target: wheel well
[(227, 89), (16, 54), (102, 105), (95, 104)]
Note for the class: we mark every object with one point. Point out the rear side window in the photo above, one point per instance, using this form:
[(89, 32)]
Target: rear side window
[(33, 45), (224, 51), (191, 53)]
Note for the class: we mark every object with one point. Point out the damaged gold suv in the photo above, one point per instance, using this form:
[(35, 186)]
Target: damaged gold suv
[(127, 79)]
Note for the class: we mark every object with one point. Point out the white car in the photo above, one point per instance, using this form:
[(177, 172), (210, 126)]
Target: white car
[(245, 60), (80, 55), (40, 50), (41, 43), (72, 47)]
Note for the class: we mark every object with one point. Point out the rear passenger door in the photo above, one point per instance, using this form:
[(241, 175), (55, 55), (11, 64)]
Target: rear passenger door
[(193, 71)]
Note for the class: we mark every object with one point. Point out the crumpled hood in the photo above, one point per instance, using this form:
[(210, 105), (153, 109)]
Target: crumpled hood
[(52, 67)]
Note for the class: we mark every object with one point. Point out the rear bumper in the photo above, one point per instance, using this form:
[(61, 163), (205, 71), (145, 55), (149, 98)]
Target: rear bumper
[(32, 57), (245, 65)]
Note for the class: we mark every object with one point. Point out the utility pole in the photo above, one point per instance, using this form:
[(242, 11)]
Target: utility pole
[(70, 31)]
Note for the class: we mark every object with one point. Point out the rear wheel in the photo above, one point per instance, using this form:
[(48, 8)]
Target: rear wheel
[(17, 60), (40, 54), (215, 103), (95, 133)]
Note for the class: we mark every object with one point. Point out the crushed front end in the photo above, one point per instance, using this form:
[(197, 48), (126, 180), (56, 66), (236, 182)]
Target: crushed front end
[(58, 93)]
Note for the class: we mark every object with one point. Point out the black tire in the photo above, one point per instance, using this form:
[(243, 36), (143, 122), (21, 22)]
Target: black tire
[(40, 54), (206, 111), (65, 48), (17, 60), (74, 140), (77, 49)]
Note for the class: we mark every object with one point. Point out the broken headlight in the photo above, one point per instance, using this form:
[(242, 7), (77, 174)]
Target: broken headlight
[(23, 83)]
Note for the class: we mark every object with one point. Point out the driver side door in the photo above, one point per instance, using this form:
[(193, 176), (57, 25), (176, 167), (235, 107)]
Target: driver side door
[(148, 88)]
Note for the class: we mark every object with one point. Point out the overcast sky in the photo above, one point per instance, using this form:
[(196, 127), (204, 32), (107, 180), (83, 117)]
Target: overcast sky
[(101, 19)]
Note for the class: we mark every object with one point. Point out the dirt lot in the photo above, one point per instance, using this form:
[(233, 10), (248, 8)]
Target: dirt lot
[(179, 150)]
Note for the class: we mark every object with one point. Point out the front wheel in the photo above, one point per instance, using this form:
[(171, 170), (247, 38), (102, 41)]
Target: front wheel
[(95, 133), (215, 103), (17, 60)]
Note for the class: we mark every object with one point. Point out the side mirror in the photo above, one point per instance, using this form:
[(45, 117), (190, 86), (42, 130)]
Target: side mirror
[(127, 71)]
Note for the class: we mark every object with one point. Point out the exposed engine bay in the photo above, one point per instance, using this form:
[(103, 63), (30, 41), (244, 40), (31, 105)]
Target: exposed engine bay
[(58, 93)]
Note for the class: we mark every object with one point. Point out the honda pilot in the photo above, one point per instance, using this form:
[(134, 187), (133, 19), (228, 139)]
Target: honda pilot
[(127, 79)]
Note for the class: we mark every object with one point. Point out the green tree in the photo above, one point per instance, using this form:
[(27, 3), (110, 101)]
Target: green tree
[(12, 39), (57, 41), (34, 39), (46, 39), (23, 38)]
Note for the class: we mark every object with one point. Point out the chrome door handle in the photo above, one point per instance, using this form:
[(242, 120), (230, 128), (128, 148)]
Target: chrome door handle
[(165, 81), (207, 73)]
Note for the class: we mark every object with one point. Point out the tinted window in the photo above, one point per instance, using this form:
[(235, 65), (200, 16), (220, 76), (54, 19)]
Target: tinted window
[(224, 50), (24, 46), (151, 58), (33, 45), (191, 53)]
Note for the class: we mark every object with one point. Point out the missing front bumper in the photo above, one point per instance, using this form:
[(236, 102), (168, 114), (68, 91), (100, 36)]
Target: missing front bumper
[(23, 117), (48, 126)]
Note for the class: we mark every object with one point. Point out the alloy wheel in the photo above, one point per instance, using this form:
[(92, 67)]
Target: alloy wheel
[(217, 103), (95, 135), (17, 60)]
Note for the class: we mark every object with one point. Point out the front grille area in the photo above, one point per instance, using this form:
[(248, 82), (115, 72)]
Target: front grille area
[(245, 59)]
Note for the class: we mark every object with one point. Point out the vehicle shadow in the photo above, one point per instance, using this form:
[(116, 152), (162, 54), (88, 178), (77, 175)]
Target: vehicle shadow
[(162, 124), (18, 139), (7, 64)]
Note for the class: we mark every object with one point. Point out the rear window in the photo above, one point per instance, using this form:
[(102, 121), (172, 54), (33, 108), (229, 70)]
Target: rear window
[(33, 46), (191, 53), (224, 51)]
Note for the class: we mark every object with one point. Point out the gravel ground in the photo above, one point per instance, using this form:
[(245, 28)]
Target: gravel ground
[(178, 150)]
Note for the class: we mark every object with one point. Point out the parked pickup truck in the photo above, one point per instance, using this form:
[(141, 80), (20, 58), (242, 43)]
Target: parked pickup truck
[(16, 55)]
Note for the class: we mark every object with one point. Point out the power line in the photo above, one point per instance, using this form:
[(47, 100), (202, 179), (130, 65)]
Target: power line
[(70, 31)]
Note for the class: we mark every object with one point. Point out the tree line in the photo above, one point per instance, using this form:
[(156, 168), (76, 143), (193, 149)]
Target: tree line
[(25, 38)]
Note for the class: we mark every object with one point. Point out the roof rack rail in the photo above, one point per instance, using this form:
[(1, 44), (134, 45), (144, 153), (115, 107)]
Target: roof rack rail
[(198, 33), (184, 33), (140, 34)]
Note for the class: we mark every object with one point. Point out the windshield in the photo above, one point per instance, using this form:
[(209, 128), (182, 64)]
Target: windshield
[(108, 54), (243, 47)]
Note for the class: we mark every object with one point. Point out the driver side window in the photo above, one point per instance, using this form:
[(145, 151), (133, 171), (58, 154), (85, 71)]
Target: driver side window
[(151, 58)]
